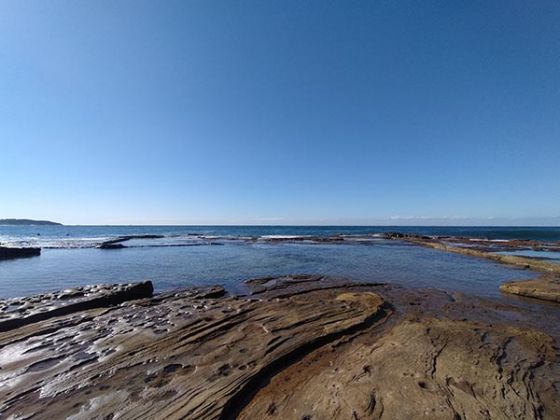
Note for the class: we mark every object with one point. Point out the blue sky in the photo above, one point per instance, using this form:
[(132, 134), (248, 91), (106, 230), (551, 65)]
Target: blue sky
[(280, 112)]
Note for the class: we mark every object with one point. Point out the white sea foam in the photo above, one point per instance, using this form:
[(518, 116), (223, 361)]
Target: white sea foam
[(283, 236), (52, 243), (488, 240)]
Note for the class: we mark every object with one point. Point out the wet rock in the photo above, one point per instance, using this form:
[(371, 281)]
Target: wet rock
[(117, 242), (294, 284), (202, 366), (71, 293), (481, 249), (395, 235), (111, 246), (21, 312), (211, 292), (544, 287), (7, 253)]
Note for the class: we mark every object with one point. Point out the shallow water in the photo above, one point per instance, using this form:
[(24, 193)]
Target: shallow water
[(171, 267), (553, 256)]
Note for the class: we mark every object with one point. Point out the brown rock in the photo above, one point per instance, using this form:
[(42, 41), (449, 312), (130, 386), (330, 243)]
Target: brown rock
[(179, 357), (300, 347), (18, 312), (544, 287), (434, 369)]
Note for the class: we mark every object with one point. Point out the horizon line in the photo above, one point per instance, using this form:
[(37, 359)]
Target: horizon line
[(292, 225)]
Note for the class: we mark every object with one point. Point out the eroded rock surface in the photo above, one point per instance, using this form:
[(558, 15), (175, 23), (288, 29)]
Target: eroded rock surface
[(433, 369), (183, 355), (298, 347), (17, 312)]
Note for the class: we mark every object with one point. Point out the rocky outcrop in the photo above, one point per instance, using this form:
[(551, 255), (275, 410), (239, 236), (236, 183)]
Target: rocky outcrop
[(8, 253), (544, 288), (17, 312), (117, 242), (429, 369), (111, 245), (178, 356), (297, 347)]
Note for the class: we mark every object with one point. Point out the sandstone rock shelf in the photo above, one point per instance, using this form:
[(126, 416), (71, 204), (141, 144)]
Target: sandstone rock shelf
[(18, 312), (301, 347), (546, 287)]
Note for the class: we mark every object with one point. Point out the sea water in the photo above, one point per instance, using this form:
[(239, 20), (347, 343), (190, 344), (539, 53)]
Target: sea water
[(227, 255)]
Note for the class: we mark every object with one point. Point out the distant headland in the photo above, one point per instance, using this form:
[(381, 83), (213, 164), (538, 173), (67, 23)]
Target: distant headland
[(27, 222)]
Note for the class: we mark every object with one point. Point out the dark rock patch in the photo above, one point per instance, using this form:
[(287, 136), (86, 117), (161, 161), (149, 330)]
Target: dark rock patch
[(8, 253)]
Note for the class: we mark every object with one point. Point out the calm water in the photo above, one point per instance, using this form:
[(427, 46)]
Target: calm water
[(71, 259)]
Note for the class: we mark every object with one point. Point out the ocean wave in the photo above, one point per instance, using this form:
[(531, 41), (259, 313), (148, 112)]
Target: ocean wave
[(488, 240), (167, 240), (53, 243), (283, 236)]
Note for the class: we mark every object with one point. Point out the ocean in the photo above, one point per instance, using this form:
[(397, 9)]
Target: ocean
[(204, 255)]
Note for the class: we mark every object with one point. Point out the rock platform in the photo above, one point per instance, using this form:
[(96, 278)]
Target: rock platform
[(297, 347)]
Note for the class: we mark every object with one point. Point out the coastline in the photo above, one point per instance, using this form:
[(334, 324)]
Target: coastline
[(300, 346), (499, 251)]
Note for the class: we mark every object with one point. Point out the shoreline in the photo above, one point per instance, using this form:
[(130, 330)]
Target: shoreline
[(299, 346), (545, 287)]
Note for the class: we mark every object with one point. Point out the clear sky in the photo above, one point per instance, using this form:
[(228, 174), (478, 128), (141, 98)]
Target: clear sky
[(280, 112)]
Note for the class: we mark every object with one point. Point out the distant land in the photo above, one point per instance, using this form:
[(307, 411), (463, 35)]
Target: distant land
[(26, 222)]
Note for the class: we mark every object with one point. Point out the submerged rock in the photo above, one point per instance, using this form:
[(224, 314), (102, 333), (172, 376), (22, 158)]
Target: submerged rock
[(117, 242), (480, 249), (111, 245), (545, 287)]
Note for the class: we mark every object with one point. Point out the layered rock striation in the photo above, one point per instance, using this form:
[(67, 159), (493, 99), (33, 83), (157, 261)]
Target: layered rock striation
[(297, 347)]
